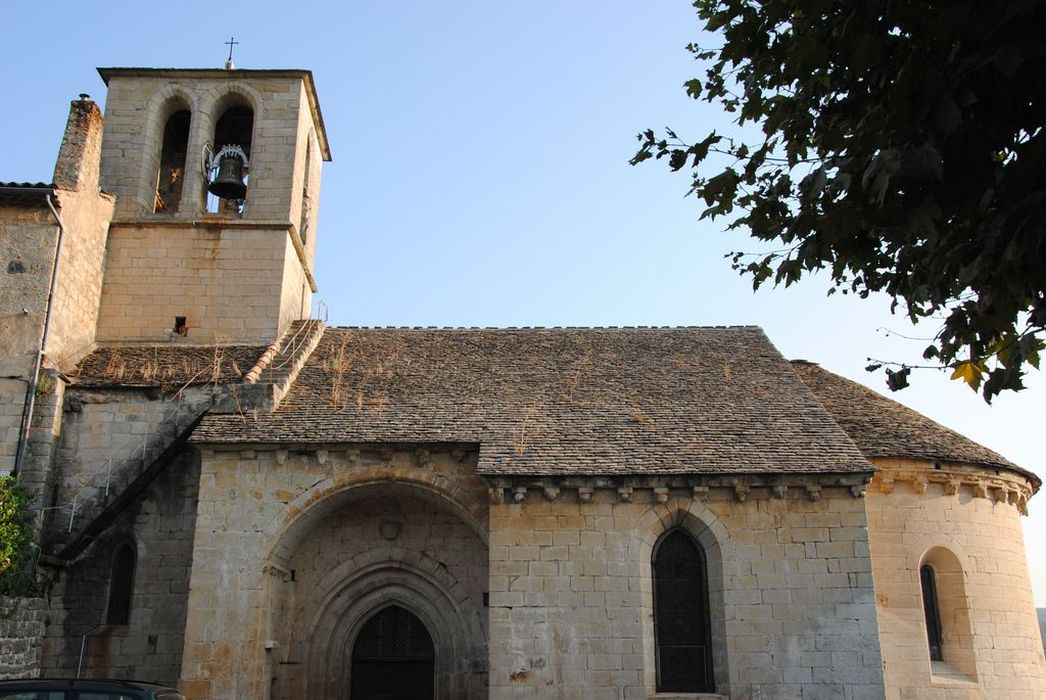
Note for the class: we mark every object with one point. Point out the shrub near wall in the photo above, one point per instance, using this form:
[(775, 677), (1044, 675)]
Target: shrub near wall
[(21, 616), (17, 576)]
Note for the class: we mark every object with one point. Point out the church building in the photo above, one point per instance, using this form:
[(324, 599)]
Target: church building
[(237, 500)]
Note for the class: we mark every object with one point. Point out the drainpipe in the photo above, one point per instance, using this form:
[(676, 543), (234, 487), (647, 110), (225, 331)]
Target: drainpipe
[(30, 394), (83, 648)]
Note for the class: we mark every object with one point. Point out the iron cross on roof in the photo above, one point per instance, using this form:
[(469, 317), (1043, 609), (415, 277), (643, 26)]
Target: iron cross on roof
[(230, 43)]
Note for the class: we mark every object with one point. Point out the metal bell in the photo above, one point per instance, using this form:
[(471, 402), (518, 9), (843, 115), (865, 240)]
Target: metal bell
[(228, 183)]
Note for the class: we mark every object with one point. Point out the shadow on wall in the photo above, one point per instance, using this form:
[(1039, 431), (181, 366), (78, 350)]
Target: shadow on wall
[(1042, 626)]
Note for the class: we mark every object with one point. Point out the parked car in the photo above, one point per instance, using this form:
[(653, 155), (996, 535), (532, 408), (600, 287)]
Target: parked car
[(69, 689)]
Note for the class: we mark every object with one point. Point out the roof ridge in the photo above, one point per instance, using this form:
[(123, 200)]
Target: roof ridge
[(540, 328)]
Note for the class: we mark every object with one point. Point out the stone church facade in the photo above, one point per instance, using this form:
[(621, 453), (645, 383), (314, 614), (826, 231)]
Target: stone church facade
[(238, 500)]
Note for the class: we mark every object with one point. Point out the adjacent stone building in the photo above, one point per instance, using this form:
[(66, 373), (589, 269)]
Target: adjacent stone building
[(245, 503)]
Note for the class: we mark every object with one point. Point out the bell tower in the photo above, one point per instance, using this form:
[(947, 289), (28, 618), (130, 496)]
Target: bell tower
[(216, 175)]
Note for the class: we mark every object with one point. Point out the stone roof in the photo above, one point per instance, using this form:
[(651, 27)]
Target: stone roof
[(25, 193), (560, 401), (884, 428), (165, 365)]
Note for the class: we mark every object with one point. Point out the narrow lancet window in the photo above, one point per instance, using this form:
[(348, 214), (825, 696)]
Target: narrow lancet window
[(121, 586), (171, 175), (931, 612), (681, 615), (306, 196)]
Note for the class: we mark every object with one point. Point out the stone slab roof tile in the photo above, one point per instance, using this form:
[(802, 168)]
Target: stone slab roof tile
[(560, 401), (166, 365), (25, 193), (884, 428)]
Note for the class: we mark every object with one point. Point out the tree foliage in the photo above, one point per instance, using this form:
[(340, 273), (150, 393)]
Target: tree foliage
[(902, 149), (17, 576)]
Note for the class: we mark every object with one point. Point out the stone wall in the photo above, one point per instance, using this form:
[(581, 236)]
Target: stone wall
[(109, 435), (159, 526), (790, 588), (27, 241), (21, 636), (965, 523), (261, 607), (226, 280), (86, 216), (296, 297), (86, 213)]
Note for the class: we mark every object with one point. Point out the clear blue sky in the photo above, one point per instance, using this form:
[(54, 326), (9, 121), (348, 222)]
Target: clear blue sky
[(480, 175)]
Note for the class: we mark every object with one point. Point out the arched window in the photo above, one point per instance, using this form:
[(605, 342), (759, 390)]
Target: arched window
[(931, 611), (171, 173), (306, 194), (682, 626), (393, 657), (946, 613), (121, 586)]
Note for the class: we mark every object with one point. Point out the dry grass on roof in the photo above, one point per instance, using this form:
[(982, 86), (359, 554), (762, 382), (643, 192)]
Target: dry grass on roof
[(162, 365), (560, 401)]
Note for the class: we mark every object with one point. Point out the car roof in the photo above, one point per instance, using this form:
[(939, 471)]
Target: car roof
[(82, 683)]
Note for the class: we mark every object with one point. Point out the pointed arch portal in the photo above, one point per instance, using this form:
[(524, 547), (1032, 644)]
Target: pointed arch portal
[(393, 658)]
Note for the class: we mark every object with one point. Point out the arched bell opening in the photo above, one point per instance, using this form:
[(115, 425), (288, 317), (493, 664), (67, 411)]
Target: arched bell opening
[(230, 160), (170, 176), (393, 658)]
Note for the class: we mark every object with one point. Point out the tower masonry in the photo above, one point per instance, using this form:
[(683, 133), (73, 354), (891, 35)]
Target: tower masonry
[(184, 265)]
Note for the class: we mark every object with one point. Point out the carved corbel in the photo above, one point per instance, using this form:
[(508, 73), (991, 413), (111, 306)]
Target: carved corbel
[(584, 494), (813, 492), (661, 494), (519, 493)]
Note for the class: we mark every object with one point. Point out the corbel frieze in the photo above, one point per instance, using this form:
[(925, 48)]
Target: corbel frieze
[(659, 489), (994, 485)]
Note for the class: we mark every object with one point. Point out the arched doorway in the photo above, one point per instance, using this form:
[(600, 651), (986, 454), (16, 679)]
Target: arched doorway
[(393, 658)]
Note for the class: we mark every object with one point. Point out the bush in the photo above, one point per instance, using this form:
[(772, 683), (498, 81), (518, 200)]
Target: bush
[(17, 560)]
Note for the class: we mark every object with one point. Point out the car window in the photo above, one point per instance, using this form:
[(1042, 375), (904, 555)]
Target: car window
[(105, 696), (33, 695)]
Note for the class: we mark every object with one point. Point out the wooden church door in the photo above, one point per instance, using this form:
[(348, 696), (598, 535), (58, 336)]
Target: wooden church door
[(393, 658)]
